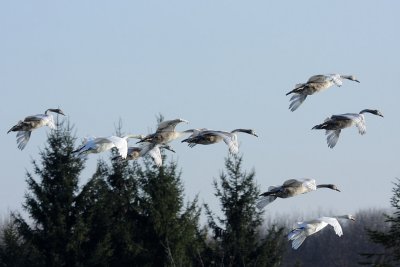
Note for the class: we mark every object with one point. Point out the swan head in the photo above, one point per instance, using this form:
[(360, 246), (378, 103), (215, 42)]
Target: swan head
[(372, 111), (248, 131), (55, 110), (330, 186), (350, 77), (348, 216)]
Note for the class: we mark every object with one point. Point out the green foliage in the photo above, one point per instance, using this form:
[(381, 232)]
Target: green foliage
[(389, 239), (50, 201), (239, 243)]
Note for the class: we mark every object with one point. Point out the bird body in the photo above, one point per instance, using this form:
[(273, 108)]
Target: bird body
[(305, 229), (315, 84), (290, 188), (334, 124), (208, 137), (25, 127), (151, 149), (165, 132), (101, 144)]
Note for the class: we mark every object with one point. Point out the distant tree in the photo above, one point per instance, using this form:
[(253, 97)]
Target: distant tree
[(53, 229), (238, 241), (389, 239)]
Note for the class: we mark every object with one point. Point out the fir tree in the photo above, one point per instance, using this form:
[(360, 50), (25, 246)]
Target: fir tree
[(390, 239), (237, 238), (50, 203)]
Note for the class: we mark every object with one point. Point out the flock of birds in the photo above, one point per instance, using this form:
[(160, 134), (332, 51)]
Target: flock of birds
[(151, 144)]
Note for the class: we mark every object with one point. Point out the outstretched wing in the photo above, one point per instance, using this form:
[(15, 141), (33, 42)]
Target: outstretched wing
[(296, 101), (23, 138), (357, 119), (317, 79), (334, 223), (332, 137), (120, 143), (310, 184), (230, 140), (169, 125), (264, 201), (297, 236), (155, 154), (336, 79)]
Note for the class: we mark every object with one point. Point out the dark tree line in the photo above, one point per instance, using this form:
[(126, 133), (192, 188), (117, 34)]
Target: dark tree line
[(131, 214)]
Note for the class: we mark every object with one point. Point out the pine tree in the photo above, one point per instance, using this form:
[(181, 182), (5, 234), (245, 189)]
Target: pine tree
[(50, 203), (171, 234), (390, 239), (237, 237)]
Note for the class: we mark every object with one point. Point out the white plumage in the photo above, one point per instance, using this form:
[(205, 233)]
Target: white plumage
[(101, 144), (305, 229)]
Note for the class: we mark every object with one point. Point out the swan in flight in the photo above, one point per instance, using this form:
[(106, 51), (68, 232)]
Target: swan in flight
[(314, 85), (208, 137), (151, 149), (290, 188), (24, 128), (101, 144), (336, 123), (304, 229), (165, 132)]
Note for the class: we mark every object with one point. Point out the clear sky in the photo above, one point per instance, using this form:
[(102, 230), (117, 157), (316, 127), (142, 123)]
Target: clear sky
[(220, 65)]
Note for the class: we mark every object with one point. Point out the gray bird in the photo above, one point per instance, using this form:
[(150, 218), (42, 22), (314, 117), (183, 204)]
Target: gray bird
[(208, 137), (25, 127), (334, 124), (290, 188), (165, 132), (314, 85)]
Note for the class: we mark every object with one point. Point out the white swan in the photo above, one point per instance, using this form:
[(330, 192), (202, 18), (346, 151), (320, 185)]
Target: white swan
[(208, 137), (290, 188), (304, 229), (30, 123), (336, 123), (314, 85), (101, 144)]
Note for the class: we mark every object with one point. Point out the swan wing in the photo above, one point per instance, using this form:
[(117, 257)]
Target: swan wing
[(23, 138), (296, 101), (334, 223), (309, 184), (230, 140), (169, 125), (155, 154), (120, 143), (332, 137)]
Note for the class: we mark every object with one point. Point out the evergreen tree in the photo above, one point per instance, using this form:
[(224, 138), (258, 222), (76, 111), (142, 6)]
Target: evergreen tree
[(237, 237), (390, 239), (171, 234), (50, 203)]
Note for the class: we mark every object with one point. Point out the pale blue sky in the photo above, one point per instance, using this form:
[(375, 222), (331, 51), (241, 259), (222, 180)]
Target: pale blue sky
[(220, 65)]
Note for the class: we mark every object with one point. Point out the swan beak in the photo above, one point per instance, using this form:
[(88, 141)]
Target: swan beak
[(255, 135), (338, 190), (61, 112), (357, 81)]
